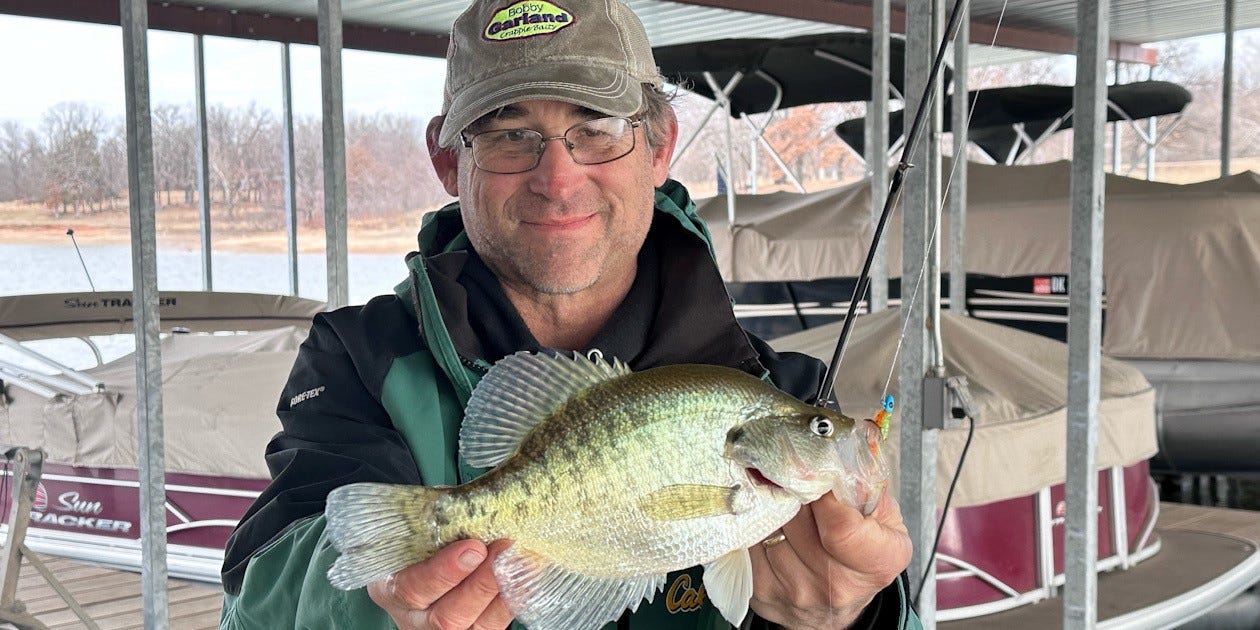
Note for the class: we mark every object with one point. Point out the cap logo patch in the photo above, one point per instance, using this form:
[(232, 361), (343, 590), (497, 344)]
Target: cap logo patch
[(526, 19)]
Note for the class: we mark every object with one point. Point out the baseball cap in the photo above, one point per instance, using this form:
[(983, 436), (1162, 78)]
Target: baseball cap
[(593, 53)]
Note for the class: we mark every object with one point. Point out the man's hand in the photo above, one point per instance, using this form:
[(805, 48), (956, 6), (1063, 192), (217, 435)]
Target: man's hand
[(830, 564), (453, 590)]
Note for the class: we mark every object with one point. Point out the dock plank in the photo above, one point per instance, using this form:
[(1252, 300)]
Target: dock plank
[(112, 597)]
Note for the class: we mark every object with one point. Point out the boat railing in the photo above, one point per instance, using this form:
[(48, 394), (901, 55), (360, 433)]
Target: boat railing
[(65, 378)]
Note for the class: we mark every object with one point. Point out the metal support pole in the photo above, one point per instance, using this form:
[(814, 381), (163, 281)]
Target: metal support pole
[(877, 144), (203, 162), (730, 159), (149, 432), (1080, 603), (932, 274), (1227, 88), (1117, 129), (290, 173), (335, 221), (918, 445), (1152, 142), (959, 119)]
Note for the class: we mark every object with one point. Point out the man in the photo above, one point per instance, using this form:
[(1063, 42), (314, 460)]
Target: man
[(556, 139)]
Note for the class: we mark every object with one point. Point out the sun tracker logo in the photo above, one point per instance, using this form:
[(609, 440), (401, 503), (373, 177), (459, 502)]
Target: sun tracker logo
[(41, 498), (526, 19), (1043, 285)]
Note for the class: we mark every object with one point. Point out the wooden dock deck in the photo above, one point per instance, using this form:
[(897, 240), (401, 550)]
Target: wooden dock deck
[(111, 598)]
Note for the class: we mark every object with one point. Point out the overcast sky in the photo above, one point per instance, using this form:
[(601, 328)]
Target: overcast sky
[(46, 62)]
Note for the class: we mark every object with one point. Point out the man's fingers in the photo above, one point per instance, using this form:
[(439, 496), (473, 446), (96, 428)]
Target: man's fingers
[(421, 584), (496, 616), (463, 605)]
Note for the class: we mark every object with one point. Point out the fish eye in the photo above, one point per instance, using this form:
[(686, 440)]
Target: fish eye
[(822, 427)]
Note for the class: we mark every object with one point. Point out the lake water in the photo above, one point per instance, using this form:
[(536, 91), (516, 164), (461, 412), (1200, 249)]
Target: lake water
[(52, 269)]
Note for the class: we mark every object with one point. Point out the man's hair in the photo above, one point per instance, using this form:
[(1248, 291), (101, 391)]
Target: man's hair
[(656, 112)]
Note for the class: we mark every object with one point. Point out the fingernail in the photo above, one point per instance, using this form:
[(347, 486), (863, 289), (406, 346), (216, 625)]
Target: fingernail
[(470, 559)]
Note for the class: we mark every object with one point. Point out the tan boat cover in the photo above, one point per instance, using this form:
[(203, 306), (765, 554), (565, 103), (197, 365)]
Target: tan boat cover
[(60, 315), (1181, 263), (1019, 386), (219, 396)]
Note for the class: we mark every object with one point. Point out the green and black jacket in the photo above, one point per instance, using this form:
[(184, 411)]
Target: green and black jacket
[(377, 394)]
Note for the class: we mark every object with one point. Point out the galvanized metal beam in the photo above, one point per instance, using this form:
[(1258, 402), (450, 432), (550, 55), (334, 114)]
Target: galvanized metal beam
[(141, 195), (203, 162), (861, 16), (1227, 88), (877, 143), (1117, 129), (1080, 602), (959, 119), (290, 171), (918, 444), (200, 19), (335, 221)]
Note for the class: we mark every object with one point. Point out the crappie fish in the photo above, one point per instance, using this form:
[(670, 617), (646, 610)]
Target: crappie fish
[(606, 479)]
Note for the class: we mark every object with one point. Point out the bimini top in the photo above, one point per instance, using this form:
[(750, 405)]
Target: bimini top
[(1039, 108), (63, 315), (1181, 263), (1018, 382), (826, 68)]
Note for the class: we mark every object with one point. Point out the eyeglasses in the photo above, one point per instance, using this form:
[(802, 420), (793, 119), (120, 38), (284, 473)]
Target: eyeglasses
[(509, 151)]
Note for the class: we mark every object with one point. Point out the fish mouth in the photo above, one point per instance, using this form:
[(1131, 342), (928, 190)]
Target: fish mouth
[(760, 479)]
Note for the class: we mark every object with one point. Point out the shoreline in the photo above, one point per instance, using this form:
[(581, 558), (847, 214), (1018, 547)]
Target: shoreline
[(363, 239)]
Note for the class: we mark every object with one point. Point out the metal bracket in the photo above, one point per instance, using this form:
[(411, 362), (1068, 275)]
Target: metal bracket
[(27, 469), (946, 402)]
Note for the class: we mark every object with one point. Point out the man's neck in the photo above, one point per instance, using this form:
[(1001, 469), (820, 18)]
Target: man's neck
[(568, 321)]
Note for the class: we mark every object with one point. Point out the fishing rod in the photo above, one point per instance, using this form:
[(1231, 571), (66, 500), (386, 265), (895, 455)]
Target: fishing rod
[(825, 389)]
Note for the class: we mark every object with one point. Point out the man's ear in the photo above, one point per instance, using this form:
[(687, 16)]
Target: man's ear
[(445, 161), (662, 154)]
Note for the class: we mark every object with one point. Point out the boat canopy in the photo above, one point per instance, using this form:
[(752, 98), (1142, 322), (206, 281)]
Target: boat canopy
[(1181, 263), (219, 391), (824, 68), (1018, 385), (1002, 117), (63, 315)]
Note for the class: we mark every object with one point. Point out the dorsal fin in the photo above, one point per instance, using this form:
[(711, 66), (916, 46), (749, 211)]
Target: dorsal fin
[(519, 392)]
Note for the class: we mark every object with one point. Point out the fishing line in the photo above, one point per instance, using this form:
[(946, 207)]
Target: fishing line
[(894, 196), (958, 153)]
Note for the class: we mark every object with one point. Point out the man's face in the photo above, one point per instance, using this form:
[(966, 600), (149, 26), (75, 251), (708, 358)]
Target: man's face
[(563, 227)]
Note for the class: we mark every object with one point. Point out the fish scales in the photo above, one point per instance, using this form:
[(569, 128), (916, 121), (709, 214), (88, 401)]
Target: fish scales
[(603, 451)]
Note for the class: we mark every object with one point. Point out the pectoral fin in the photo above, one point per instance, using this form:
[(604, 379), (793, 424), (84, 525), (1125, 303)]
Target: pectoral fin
[(687, 501), (729, 583)]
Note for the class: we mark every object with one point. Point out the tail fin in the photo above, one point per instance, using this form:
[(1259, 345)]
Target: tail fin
[(379, 529)]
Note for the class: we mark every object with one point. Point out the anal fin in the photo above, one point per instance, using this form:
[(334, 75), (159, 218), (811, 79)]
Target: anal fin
[(546, 596)]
